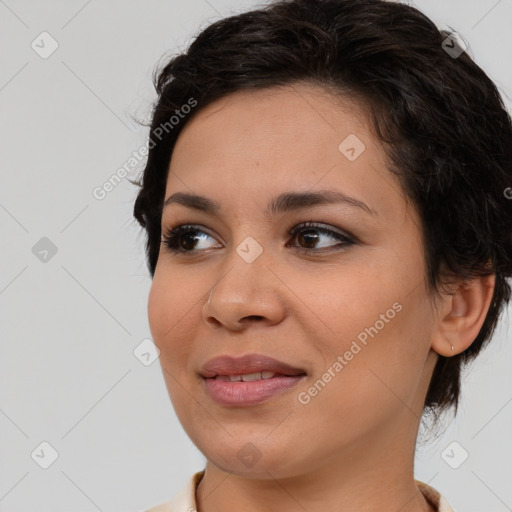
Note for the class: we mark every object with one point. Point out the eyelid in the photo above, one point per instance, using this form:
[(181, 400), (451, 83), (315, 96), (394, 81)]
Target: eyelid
[(327, 228), (179, 228)]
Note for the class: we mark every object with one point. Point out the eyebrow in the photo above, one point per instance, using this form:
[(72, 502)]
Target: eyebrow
[(288, 201)]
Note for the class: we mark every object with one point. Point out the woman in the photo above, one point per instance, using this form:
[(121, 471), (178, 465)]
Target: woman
[(329, 238)]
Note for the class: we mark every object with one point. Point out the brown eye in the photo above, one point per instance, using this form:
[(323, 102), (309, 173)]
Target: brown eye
[(308, 238), (183, 238), (308, 235)]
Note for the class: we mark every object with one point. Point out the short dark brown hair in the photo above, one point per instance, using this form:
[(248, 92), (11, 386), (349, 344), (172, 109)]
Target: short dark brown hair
[(442, 121)]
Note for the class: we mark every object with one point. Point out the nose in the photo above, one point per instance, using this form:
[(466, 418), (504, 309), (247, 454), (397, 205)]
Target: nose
[(244, 294)]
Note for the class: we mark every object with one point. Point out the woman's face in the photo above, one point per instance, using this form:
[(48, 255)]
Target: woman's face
[(354, 316)]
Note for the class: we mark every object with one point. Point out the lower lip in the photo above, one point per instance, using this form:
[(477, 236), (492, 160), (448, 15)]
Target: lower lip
[(249, 393)]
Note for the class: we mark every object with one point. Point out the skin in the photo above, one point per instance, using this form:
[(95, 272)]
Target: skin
[(351, 447)]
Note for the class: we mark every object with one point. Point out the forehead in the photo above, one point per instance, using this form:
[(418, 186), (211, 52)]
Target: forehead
[(269, 141), (270, 123)]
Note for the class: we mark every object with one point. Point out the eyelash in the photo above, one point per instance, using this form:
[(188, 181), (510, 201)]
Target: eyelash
[(171, 236)]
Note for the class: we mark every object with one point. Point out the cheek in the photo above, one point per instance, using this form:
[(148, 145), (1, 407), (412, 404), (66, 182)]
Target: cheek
[(170, 335), (156, 307), (375, 324), (166, 314), (341, 304), (173, 321)]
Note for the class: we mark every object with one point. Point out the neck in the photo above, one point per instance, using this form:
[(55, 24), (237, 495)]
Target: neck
[(376, 475)]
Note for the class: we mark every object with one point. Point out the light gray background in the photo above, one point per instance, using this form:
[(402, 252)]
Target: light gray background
[(69, 326)]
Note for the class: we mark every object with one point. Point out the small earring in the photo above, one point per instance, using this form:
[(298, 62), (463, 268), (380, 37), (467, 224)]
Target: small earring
[(453, 350)]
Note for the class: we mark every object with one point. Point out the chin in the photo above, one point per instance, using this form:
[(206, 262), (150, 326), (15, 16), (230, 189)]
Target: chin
[(250, 461)]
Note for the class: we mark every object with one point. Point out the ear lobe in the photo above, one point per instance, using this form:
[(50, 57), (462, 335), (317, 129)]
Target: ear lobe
[(462, 315)]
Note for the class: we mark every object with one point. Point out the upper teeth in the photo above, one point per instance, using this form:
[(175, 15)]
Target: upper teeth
[(247, 377)]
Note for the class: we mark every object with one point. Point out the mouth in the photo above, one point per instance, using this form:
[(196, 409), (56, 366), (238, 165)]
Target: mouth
[(235, 391), (248, 380)]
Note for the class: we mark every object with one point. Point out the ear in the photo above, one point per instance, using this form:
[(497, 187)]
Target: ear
[(461, 315)]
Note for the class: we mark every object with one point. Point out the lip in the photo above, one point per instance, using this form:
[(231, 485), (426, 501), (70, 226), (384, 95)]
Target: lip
[(241, 393), (244, 394), (250, 363)]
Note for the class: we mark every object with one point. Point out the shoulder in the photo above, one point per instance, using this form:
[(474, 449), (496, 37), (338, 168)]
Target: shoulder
[(163, 507), (434, 497), (184, 500)]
